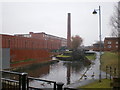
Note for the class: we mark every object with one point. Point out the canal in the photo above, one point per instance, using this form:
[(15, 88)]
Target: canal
[(63, 71)]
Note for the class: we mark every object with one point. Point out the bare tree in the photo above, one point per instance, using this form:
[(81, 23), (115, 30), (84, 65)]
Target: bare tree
[(115, 21)]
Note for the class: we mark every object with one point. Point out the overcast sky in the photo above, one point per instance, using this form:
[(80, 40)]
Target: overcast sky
[(51, 18)]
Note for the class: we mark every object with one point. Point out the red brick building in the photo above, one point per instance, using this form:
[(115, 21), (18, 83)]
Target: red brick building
[(30, 48), (45, 40), (111, 44)]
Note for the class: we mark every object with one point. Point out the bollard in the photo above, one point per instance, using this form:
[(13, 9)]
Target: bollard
[(114, 72), (110, 72), (24, 81), (60, 85), (106, 71), (0, 80), (116, 83)]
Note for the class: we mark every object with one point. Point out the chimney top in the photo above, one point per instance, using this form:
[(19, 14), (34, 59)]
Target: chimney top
[(30, 32)]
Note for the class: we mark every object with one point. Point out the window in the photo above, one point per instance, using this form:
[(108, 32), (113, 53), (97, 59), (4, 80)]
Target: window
[(116, 46), (116, 42), (109, 42), (109, 46)]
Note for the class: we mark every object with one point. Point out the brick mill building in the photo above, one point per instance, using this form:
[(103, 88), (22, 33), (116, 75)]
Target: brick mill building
[(22, 49), (111, 44), (46, 41)]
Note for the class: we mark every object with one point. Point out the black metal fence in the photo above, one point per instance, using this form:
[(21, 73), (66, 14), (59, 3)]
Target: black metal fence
[(111, 72), (21, 81), (42, 84), (13, 80)]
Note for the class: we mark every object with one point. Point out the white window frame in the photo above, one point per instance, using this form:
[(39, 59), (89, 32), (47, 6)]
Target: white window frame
[(116, 42), (109, 42), (116, 46)]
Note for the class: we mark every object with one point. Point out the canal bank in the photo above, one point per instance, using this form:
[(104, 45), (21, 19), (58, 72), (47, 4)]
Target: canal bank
[(109, 65), (33, 65), (90, 76), (69, 72)]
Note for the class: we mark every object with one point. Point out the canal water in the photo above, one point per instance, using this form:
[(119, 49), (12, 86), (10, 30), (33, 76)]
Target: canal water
[(63, 71)]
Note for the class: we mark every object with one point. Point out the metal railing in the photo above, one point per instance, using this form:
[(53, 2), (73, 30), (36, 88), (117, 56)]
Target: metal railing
[(111, 72), (38, 79), (20, 81), (14, 80)]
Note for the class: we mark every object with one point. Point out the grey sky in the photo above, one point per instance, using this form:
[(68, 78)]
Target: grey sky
[(51, 18)]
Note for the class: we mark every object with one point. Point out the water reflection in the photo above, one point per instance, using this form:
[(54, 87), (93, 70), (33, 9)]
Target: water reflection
[(37, 70), (75, 67), (63, 71)]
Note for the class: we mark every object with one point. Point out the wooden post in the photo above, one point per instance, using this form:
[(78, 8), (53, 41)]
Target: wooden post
[(106, 71), (110, 72)]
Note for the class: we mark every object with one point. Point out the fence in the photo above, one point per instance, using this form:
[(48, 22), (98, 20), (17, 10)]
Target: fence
[(37, 79), (21, 81), (114, 76), (111, 71), (14, 80)]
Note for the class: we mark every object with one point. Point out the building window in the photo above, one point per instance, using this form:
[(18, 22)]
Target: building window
[(109, 46), (116, 46), (117, 42), (109, 42)]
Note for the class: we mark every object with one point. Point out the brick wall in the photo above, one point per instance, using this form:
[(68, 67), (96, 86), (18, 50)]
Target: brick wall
[(20, 57), (110, 44), (9, 41), (33, 50)]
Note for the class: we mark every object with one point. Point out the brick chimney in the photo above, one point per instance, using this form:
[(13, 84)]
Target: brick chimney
[(30, 32), (69, 31)]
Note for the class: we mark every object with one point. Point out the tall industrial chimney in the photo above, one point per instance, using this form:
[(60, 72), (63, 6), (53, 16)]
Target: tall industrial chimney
[(69, 31)]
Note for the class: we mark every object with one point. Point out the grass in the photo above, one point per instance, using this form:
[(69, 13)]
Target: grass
[(63, 56), (109, 59), (26, 60), (91, 56), (68, 51), (104, 84)]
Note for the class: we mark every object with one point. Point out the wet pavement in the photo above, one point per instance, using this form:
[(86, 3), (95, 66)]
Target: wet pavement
[(90, 75)]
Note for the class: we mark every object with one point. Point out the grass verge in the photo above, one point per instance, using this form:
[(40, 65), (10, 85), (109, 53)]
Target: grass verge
[(26, 60), (63, 56), (91, 56), (109, 59), (104, 84)]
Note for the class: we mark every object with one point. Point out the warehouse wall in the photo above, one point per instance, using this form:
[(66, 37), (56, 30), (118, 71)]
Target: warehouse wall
[(9, 41), (21, 57), (5, 58)]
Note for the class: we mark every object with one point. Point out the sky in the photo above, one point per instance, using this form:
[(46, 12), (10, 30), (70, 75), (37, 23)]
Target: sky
[(51, 18)]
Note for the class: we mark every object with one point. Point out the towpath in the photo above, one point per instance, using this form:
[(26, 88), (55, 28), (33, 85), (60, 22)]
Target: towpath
[(91, 74)]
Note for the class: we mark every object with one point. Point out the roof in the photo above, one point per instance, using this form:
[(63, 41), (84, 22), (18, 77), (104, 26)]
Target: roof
[(111, 38)]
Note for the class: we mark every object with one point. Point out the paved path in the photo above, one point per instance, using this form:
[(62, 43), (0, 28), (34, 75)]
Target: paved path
[(91, 74)]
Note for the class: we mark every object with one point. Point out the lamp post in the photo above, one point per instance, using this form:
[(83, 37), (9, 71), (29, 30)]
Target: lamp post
[(95, 12)]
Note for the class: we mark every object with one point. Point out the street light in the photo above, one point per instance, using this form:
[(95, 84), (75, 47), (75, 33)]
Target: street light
[(95, 12)]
